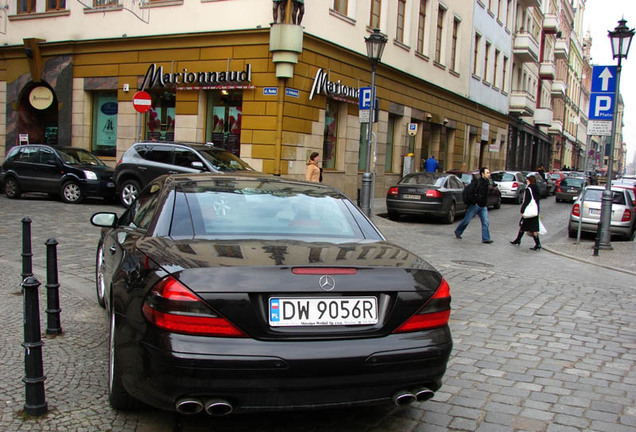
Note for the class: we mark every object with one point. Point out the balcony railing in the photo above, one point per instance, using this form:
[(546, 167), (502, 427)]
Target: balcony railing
[(526, 48), (547, 70), (550, 23), (558, 88), (556, 128), (522, 102), (561, 49), (543, 117)]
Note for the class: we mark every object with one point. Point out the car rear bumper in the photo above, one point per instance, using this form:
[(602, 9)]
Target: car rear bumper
[(427, 208), (616, 228), (509, 193), (566, 196), (256, 375)]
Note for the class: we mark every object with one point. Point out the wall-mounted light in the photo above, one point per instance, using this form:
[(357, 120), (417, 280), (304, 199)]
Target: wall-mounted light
[(126, 87)]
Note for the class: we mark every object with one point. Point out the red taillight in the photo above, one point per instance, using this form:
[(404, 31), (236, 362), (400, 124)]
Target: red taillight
[(576, 210), (174, 308), (559, 188), (324, 271), (515, 185), (435, 313), (433, 193), (392, 191), (627, 215)]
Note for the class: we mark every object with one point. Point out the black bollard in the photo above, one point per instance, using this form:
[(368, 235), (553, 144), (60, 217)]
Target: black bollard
[(35, 404), (597, 239), (53, 325), (27, 256)]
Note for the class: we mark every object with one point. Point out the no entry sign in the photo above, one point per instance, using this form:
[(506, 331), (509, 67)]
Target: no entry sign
[(142, 101)]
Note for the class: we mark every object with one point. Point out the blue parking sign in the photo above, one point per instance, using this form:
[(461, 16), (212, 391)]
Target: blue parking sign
[(365, 98)]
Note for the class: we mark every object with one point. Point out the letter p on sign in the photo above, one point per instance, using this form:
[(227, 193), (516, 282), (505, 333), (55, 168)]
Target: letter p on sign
[(603, 105)]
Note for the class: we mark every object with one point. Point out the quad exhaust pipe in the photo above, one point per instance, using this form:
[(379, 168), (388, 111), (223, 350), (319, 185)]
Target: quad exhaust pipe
[(406, 397), (213, 407)]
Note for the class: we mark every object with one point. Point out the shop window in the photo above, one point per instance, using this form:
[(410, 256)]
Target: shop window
[(55, 5), (104, 124), (388, 162), (329, 144), (160, 118), (26, 6), (223, 122)]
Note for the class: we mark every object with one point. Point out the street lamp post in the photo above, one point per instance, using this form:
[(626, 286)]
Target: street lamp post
[(375, 47), (621, 39)]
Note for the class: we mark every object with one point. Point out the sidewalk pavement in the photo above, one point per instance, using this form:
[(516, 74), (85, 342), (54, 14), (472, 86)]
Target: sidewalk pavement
[(622, 256)]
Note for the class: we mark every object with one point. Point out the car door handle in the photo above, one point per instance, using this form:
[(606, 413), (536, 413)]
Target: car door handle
[(113, 250)]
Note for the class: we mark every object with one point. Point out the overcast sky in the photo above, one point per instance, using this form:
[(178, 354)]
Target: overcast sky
[(601, 16)]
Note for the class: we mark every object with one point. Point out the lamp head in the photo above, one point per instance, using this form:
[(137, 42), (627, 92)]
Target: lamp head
[(375, 45), (621, 38)]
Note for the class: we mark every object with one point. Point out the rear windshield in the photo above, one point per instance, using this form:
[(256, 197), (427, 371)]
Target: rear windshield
[(255, 209), (572, 182), (502, 177), (597, 194), (427, 179)]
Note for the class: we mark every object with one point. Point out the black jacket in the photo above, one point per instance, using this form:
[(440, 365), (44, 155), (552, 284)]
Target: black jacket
[(482, 192)]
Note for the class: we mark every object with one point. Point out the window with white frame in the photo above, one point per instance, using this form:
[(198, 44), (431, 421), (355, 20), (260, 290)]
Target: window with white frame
[(421, 27), (441, 16)]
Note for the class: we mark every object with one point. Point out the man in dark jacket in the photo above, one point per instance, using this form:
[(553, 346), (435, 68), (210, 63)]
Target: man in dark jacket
[(480, 207)]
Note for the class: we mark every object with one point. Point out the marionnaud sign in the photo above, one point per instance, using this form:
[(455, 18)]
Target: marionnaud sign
[(155, 76), (335, 90)]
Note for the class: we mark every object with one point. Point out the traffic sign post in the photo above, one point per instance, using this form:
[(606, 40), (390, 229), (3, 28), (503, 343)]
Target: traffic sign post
[(142, 102), (603, 93)]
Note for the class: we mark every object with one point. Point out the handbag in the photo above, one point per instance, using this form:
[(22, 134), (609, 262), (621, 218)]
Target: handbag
[(542, 229), (532, 210)]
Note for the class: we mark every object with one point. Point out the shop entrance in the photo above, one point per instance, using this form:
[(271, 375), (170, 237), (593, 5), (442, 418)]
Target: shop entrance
[(38, 114), (223, 120)]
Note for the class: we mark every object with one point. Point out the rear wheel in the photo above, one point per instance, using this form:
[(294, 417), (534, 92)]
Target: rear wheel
[(572, 234), (12, 188), (394, 215), (519, 198), (71, 192), (129, 192), (497, 204), (117, 395), (450, 216)]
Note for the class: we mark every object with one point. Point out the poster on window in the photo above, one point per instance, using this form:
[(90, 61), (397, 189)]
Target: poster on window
[(106, 124)]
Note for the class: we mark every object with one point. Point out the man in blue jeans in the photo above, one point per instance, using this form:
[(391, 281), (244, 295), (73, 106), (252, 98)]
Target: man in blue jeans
[(477, 206)]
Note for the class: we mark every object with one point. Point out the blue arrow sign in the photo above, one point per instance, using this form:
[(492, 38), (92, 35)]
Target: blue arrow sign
[(604, 79)]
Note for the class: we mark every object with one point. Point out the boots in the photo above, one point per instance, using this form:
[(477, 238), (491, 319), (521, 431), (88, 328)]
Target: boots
[(537, 243), (517, 241)]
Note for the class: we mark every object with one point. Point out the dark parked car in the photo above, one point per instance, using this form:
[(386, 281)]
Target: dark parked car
[(569, 189), (70, 172), (245, 293), (426, 194), (494, 194), (544, 188), (145, 161)]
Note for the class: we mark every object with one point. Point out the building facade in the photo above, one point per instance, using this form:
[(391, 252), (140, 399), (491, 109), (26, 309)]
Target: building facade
[(273, 92)]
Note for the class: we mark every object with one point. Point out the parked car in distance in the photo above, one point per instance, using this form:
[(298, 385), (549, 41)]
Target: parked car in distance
[(544, 189), (145, 161), (557, 176), (426, 194), (234, 293), (511, 184), (624, 183), (569, 189), (69, 172), (494, 194), (623, 212)]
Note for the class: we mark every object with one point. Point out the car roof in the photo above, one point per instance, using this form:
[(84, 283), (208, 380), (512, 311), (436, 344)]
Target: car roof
[(195, 145)]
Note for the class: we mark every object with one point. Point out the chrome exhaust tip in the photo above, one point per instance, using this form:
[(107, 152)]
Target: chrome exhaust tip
[(218, 407), (189, 406), (403, 398), (423, 394)]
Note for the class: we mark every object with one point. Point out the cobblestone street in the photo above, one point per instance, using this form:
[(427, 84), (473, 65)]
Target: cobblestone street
[(543, 342)]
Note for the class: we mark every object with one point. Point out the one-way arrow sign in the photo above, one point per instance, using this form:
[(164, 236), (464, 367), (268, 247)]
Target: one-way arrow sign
[(603, 79)]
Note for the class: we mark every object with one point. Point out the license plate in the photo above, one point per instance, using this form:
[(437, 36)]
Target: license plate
[(413, 197), (303, 311), (110, 184), (594, 212)]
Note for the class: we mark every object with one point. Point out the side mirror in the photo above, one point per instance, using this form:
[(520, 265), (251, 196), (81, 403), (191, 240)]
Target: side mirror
[(104, 220), (197, 165)]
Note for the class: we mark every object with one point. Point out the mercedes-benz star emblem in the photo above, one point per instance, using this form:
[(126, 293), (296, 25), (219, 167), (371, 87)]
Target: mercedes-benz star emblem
[(327, 283)]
